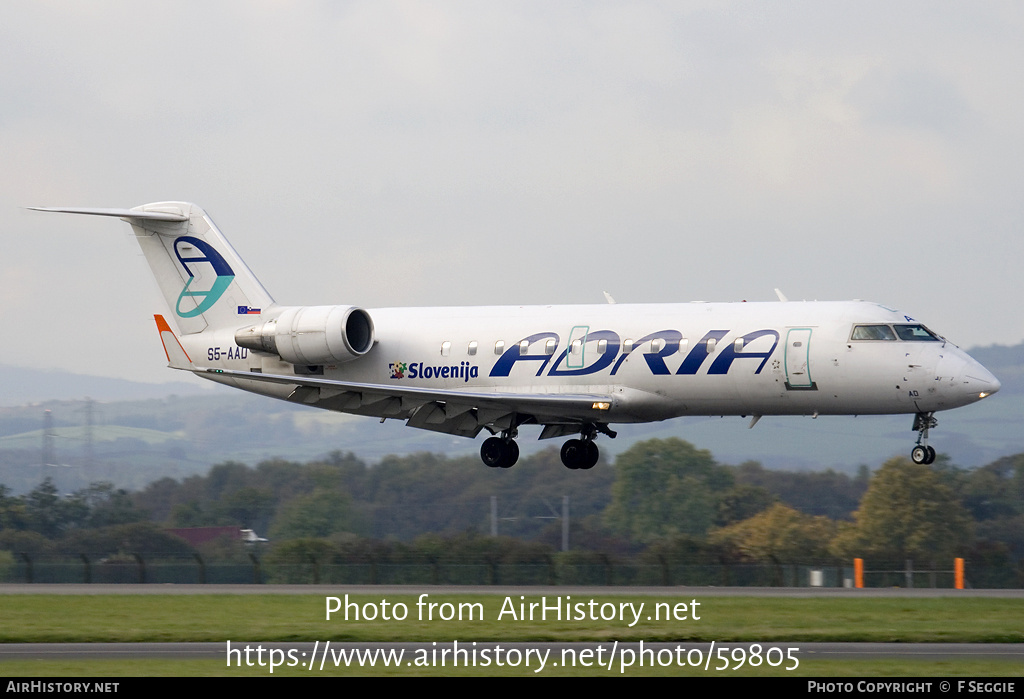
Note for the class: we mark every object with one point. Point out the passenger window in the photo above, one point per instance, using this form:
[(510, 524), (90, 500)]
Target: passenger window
[(738, 344), (471, 350), (657, 344), (576, 348), (916, 333), (711, 345), (524, 346), (550, 346), (627, 346), (446, 348), (499, 347), (602, 346), (872, 332)]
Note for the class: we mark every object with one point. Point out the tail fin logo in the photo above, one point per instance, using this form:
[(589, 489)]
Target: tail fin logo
[(196, 266)]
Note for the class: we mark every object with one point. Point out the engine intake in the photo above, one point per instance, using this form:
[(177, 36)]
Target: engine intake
[(312, 334)]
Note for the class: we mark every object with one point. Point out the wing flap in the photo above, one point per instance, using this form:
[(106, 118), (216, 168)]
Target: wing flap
[(432, 417)]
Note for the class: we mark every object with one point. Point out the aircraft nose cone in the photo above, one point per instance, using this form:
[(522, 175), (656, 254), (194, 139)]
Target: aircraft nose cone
[(980, 380)]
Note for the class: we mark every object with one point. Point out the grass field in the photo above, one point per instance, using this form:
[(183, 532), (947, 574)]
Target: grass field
[(287, 618)]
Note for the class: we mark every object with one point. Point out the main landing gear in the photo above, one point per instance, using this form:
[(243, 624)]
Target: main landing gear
[(500, 452), (580, 454), (922, 453), (583, 453), (577, 454)]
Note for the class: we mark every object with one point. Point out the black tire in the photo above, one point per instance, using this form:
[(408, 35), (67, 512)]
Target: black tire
[(919, 455), (573, 453), (511, 455), (493, 452), (591, 455)]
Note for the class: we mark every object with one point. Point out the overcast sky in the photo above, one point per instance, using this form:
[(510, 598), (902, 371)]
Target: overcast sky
[(399, 153)]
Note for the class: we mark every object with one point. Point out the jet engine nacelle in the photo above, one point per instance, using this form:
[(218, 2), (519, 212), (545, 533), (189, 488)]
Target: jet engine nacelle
[(312, 334)]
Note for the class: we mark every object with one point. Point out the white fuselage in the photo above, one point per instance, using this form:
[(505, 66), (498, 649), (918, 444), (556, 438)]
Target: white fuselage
[(657, 361)]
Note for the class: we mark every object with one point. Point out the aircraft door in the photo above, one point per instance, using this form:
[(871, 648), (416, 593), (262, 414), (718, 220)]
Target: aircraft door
[(798, 353), (577, 346)]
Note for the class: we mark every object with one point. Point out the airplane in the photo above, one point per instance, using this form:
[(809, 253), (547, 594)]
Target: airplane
[(572, 370)]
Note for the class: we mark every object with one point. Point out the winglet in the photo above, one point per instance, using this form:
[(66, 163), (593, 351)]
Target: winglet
[(177, 357)]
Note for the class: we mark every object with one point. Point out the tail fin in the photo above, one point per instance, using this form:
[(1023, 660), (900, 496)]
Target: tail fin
[(203, 279)]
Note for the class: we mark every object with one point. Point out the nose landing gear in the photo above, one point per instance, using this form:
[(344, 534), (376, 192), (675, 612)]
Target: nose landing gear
[(922, 453)]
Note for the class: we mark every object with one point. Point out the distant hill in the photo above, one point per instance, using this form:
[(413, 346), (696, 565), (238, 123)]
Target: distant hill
[(21, 386)]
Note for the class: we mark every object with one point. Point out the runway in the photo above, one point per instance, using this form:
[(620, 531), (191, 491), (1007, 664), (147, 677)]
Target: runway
[(792, 592)]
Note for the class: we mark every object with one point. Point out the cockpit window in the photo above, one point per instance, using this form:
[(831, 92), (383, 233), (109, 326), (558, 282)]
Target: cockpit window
[(872, 332), (916, 333)]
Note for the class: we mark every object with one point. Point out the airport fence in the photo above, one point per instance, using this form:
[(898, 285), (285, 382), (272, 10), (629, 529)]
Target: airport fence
[(163, 569)]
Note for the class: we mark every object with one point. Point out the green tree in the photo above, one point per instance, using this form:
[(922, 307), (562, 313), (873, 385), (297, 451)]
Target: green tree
[(834, 495), (995, 491), (12, 510), (49, 514), (907, 512), (779, 535), (741, 502), (319, 514), (134, 538), (104, 505), (251, 508), (666, 487)]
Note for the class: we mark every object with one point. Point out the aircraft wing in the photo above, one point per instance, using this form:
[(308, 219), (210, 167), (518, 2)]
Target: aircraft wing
[(458, 412)]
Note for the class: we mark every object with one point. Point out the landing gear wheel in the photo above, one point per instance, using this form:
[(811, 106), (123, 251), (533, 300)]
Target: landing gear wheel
[(580, 454), (499, 453), (492, 451), (922, 453), (573, 453), (512, 456)]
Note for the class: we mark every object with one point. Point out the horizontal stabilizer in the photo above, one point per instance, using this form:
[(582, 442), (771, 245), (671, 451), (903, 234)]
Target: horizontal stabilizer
[(119, 213)]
